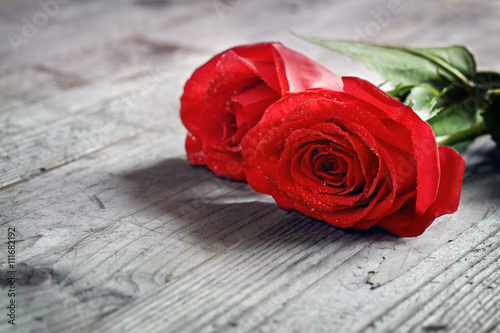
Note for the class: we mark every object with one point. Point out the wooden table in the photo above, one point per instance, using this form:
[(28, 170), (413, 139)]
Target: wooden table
[(116, 232)]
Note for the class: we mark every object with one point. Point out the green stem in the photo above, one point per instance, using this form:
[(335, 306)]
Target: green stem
[(493, 91), (465, 135), (452, 70)]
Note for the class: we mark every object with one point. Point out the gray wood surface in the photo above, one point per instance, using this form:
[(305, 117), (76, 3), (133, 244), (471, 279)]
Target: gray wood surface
[(116, 232)]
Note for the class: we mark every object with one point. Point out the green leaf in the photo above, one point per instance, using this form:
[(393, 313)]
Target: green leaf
[(409, 65), (457, 56), (460, 140), (487, 80), (492, 119), (422, 97), (438, 103), (456, 117), (401, 91), (460, 147)]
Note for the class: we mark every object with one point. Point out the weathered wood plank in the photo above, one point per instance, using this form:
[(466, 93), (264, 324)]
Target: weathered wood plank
[(215, 256), (52, 90), (301, 270), (120, 234), (172, 222), (62, 102)]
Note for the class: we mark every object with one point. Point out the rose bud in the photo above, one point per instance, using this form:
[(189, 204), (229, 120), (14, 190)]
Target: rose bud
[(228, 95), (354, 159)]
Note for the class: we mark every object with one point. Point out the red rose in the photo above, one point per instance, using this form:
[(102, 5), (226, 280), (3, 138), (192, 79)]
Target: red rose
[(354, 159), (228, 95)]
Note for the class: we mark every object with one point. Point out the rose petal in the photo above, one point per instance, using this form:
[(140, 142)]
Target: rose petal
[(254, 102), (227, 96), (422, 137), (298, 73), (194, 150), (225, 164), (408, 222)]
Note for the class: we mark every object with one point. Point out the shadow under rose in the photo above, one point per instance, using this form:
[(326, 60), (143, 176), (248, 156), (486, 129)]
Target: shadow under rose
[(482, 173), (216, 213), (482, 160)]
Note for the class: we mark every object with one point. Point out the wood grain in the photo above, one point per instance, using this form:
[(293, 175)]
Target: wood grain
[(116, 232)]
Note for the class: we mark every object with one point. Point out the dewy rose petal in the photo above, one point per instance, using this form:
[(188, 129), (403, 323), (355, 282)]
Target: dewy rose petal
[(228, 95), (354, 159)]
